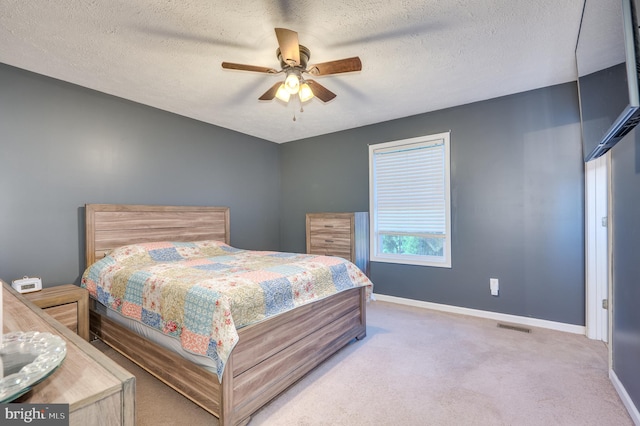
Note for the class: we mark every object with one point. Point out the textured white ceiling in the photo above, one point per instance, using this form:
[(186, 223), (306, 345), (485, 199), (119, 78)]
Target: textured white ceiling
[(417, 55)]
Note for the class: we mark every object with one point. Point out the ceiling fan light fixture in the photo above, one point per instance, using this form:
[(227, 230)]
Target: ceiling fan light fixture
[(292, 83), (294, 58), (305, 93), (283, 94)]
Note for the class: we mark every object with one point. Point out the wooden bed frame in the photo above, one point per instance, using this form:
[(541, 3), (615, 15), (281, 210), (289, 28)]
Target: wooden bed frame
[(269, 357)]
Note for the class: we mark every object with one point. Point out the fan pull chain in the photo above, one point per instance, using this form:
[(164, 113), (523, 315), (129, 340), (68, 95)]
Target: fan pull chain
[(301, 109)]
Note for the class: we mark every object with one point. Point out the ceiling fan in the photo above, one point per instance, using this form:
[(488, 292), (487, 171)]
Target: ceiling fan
[(293, 59)]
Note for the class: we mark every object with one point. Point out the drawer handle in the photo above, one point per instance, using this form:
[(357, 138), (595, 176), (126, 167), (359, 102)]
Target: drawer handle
[(328, 241), (328, 226)]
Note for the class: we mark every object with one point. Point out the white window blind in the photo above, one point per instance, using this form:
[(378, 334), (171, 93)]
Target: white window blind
[(410, 201), (410, 189)]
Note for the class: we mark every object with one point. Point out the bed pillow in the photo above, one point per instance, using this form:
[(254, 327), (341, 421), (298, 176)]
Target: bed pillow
[(169, 251)]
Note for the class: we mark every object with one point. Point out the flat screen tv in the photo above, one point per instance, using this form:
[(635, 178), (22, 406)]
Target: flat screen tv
[(607, 59)]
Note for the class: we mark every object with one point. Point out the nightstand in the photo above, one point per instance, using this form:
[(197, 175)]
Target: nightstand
[(68, 304)]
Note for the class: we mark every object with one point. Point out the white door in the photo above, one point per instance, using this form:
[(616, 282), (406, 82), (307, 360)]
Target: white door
[(597, 247)]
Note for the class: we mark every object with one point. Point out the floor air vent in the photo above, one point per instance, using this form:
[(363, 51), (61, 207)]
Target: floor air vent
[(514, 327)]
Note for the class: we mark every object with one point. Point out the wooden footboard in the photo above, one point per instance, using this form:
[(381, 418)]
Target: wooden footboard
[(270, 356)]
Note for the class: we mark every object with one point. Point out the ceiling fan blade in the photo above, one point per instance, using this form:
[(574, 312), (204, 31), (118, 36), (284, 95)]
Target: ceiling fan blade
[(242, 67), (336, 67), (289, 46), (320, 92), (271, 93)]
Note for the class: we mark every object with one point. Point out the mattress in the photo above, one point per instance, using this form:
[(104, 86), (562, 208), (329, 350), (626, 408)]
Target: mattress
[(157, 337)]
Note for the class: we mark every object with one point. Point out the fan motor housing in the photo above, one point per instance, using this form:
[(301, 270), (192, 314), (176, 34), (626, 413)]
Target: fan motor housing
[(305, 55)]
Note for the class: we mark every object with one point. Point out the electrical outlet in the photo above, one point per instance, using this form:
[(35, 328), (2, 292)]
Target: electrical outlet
[(494, 286)]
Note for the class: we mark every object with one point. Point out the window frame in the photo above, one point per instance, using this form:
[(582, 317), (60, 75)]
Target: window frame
[(421, 260)]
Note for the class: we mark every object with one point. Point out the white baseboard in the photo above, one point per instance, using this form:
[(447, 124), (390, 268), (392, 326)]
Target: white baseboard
[(626, 399), (513, 319)]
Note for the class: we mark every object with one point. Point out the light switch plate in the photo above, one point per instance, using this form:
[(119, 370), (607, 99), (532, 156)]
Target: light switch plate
[(494, 286)]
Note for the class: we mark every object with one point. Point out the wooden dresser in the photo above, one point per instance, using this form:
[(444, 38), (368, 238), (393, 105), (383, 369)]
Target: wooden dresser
[(340, 234), (97, 389)]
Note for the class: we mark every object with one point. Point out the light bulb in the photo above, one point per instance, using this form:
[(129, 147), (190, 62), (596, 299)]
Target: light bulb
[(306, 94), (292, 84), (283, 94)]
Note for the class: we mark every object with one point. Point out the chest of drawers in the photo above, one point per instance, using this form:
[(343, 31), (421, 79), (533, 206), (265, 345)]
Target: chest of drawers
[(340, 234)]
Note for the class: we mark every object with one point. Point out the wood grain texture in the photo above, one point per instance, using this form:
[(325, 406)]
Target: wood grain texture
[(67, 315), (54, 300), (103, 412), (344, 235), (86, 380), (269, 357), (188, 379), (109, 226)]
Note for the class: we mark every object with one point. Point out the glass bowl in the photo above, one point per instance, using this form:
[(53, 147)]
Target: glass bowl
[(28, 358)]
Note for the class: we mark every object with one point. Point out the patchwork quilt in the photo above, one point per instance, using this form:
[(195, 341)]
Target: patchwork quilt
[(202, 292)]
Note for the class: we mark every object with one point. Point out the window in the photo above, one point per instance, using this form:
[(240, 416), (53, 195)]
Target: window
[(410, 202)]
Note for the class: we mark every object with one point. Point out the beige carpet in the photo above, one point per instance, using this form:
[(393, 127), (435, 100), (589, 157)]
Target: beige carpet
[(421, 367)]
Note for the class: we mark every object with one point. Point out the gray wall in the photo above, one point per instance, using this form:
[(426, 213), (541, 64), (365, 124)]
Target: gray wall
[(517, 180), (62, 146), (625, 157)]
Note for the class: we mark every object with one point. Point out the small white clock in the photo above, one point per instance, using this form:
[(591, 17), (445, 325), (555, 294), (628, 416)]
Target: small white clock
[(27, 285)]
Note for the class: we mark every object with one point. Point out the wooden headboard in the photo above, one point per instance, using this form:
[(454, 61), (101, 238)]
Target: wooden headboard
[(109, 226)]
